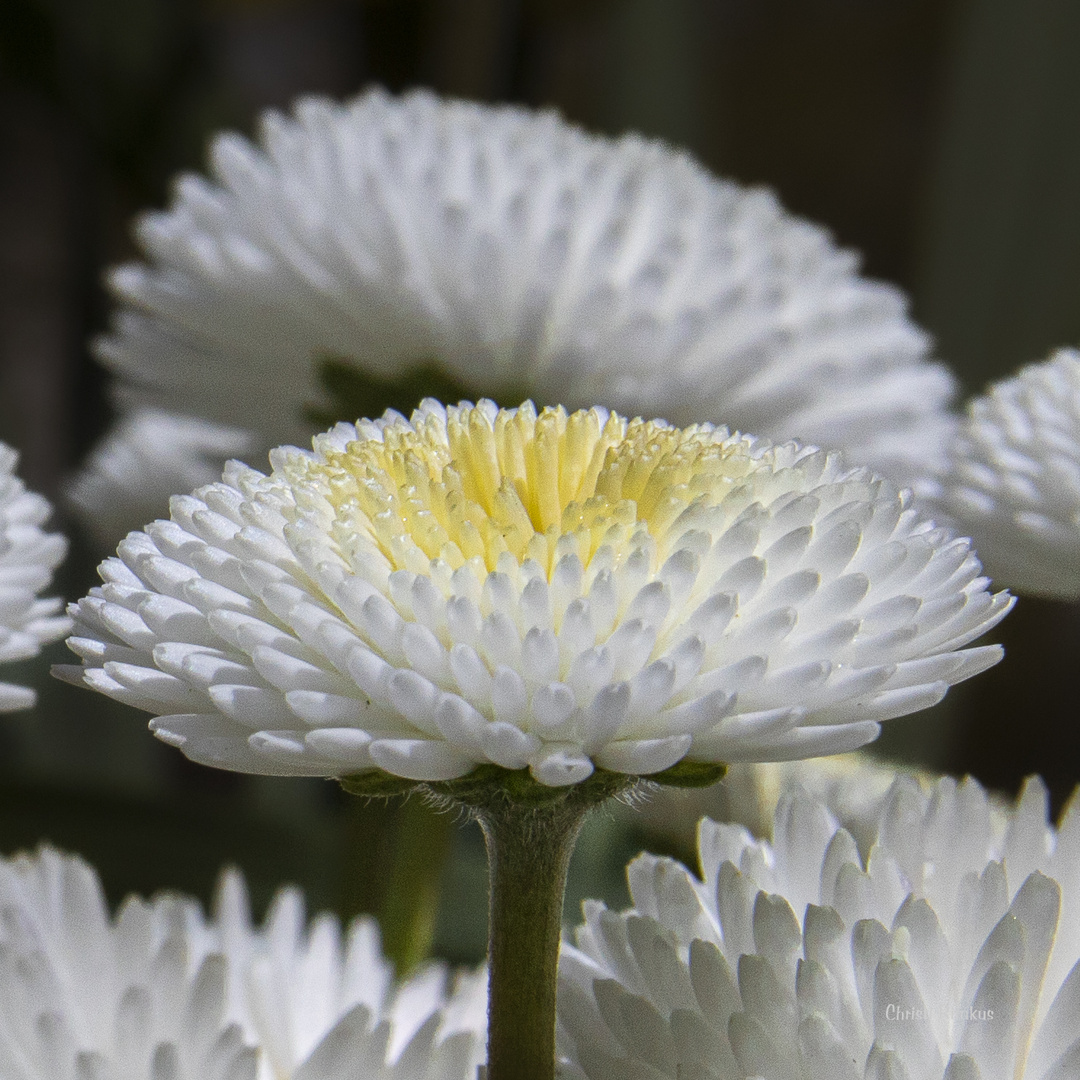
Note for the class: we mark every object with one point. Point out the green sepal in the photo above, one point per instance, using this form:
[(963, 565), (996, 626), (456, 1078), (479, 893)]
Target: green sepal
[(378, 785), (690, 774)]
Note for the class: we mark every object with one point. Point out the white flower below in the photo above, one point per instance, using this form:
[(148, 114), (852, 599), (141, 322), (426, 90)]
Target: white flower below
[(28, 557), (323, 1007), (85, 996), (161, 993), (518, 256), (553, 591), (1012, 478), (947, 946)]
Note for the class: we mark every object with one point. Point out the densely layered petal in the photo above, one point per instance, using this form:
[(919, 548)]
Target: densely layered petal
[(323, 1004), (853, 785), (1013, 478), (510, 254), (942, 944), (544, 590)]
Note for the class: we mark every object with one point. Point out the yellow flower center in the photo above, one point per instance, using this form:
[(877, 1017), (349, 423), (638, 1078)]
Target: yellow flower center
[(536, 486)]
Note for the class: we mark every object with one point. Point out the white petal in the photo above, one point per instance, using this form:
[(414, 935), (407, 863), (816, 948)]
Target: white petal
[(559, 765), (1012, 477), (643, 756), (419, 759)]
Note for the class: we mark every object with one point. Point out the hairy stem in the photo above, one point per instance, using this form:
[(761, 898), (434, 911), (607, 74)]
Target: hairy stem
[(530, 831), (528, 856)]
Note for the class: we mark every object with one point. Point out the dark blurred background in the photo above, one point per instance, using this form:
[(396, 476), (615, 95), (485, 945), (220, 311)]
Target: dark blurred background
[(941, 138)]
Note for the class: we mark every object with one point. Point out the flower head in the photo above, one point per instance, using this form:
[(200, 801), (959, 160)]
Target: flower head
[(28, 557), (548, 590), (161, 991), (1013, 477), (509, 254), (947, 948)]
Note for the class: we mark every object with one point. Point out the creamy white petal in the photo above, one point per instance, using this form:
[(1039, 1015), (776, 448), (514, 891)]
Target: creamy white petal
[(148, 456), (159, 990), (84, 994), (28, 557), (315, 999)]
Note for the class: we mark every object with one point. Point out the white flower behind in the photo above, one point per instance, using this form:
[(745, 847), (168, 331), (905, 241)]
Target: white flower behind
[(149, 452), (1013, 478), (161, 993), (552, 591), (517, 256), (852, 784), (947, 948), (28, 557)]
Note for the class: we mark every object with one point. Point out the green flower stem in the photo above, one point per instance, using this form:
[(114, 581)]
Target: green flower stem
[(530, 832), (528, 857)]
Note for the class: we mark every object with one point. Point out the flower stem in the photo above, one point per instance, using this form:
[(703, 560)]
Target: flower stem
[(528, 856), (530, 833)]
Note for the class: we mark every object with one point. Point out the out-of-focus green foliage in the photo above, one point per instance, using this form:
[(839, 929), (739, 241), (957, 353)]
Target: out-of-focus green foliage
[(355, 394)]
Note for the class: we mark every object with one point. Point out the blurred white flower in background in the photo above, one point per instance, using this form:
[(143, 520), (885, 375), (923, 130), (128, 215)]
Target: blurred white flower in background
[(853, 785), (508, 254), (148, 452), (947, 947), (28, 557), (552, 591), (161, 993), (1012, 478)]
